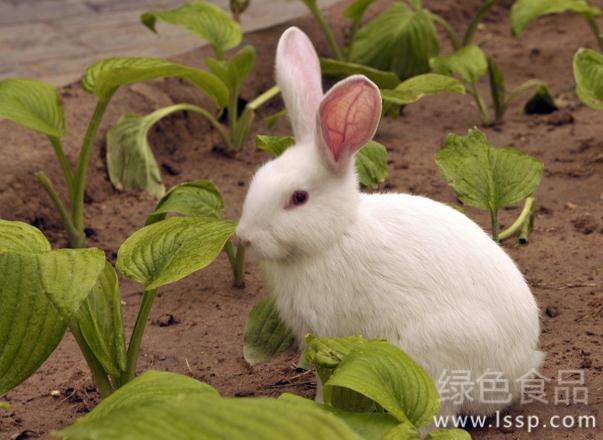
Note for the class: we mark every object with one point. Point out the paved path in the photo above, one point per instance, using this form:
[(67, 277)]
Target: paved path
[(55, 40)]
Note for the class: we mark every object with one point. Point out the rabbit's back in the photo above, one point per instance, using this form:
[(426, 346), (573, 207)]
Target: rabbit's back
[(422, 275)]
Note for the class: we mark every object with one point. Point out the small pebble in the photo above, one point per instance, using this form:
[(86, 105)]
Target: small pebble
[(585, 223), (166, 320), (561, 117), (551, 311)]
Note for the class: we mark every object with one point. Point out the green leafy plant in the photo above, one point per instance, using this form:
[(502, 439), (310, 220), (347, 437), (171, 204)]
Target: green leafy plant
[(37, 106), (130, 160), (491, 178), (396, 44), (203, 200), (469, 63), (49, 290), (400, 40), (167, 405), (46, 291), (524, 12)]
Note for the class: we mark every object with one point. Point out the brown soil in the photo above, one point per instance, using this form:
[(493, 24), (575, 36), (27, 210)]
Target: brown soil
[(205, 341)]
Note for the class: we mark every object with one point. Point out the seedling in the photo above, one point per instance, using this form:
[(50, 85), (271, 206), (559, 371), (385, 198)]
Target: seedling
[(526, 11), (400, 40), (48, 290), (201, 199), (167, 402), (491, 178), (37, 106), (131, 163), (469, 63)]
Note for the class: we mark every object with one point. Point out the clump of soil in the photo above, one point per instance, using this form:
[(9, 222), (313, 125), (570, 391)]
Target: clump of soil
[(203, 337)]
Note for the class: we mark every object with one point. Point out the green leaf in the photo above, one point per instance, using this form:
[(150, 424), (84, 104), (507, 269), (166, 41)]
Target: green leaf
[(468, 63), (356, 10), (5, 406), (169, 250), (150, 388), (198, 198), (40, 291), (266, 335), (399, 40), (497, 88), (234, 71), (21, 237), (329, 352), (68, 276), (31, 327), (370, 426), (415, 88), (524, 12), (274, 145), (588, 73), (342, 69), (100, 321), (271, 120), (389, 377), (448, 434), (243, 62), (203, 19), (104, 77), (130, 161), (486, 176), (371, 164), (174, 407), (32, 104)]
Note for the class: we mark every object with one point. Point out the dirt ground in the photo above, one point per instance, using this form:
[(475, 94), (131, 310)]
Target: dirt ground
[(204, 338)]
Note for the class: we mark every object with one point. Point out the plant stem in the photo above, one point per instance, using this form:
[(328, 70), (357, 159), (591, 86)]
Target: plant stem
[(480, 103), (594, 27), (494, 219), (518, 224), (236, 263), (315, 10), (448, 29), (239, 269), (98, 373), (228, 248), (475, 20), (75, 236), (264, 98), (526, 228), (63, 162), (134, 346), (77, 202)]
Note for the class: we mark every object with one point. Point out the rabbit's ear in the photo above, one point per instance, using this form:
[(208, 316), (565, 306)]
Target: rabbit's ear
[(347, 119), (298, 76)]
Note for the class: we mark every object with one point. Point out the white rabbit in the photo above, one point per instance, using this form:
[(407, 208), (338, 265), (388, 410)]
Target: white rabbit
[(395, 266)]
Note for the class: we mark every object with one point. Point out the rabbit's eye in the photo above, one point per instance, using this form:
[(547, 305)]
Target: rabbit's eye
[(298, 198)]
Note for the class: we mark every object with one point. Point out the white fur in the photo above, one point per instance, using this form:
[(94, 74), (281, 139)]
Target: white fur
[(395, 266)]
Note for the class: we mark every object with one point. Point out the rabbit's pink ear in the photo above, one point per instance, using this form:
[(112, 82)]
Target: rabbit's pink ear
[(348, 117), (298, 76)]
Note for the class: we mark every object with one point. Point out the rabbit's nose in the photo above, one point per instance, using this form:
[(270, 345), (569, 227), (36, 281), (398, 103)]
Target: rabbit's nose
[(242, 237)]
